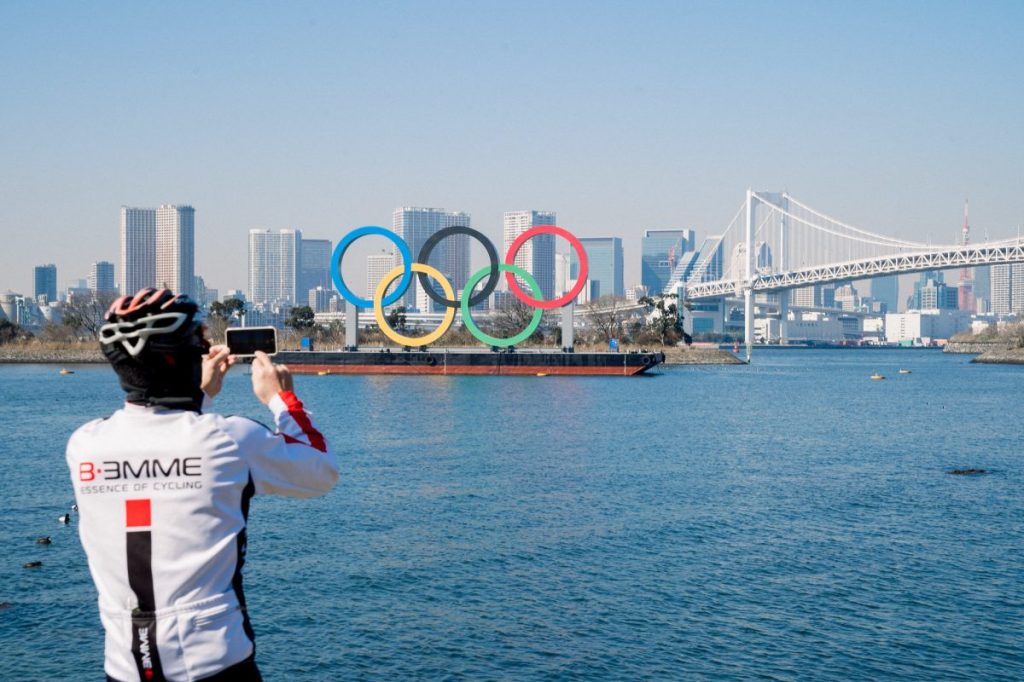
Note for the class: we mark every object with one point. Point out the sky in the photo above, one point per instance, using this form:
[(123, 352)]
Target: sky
[(620, 116)]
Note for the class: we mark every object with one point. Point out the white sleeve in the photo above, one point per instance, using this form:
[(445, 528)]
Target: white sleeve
[(295, 460)]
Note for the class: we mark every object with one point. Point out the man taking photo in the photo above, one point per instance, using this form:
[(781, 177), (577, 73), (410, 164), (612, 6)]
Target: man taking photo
[(163, 490)]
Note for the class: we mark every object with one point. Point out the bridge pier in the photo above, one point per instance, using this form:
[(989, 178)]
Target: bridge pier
[(748, 290), (784, 317), (748, 321)]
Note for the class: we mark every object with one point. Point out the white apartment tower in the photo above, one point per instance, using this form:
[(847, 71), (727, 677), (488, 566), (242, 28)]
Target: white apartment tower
[(175, 248), (138, 249), (451, 256), (537, 256), (275, 266), (1007, 288)]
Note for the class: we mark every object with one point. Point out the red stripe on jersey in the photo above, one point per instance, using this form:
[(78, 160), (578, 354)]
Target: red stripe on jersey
[(298, 413), (138, 513)]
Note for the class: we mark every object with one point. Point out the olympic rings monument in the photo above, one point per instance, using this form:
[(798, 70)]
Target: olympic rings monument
[(500, 357)]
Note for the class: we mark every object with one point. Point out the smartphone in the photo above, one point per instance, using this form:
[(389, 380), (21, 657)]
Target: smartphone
[(245, 341)]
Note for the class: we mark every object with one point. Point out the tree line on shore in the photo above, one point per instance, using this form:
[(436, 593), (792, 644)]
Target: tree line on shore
[(657, 321)]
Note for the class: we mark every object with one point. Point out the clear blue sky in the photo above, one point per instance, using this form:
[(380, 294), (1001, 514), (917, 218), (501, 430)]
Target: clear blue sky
[(619, 116)]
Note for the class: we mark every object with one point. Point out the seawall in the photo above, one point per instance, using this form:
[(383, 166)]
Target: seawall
[(700, 356), (1008, 356)]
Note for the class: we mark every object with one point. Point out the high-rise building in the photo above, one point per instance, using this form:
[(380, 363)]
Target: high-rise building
[(604, 261), (316, 264), (275, 265), (456, 253), (450, 257), (101, 278), (932, 294), (138, 249), (46, 282), (415, 225), (660, 252), (537, 256), (175, 248), (982, 287), (887, 290), (1007, 288)]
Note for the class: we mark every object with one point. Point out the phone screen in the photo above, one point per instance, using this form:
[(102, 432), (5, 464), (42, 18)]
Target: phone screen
[(248, 340)]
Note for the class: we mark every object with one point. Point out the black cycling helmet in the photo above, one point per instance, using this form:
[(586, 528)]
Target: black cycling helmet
[(154, 340)]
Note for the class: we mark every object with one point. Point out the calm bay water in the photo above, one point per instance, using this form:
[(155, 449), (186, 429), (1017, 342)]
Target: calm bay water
[(787, 520)]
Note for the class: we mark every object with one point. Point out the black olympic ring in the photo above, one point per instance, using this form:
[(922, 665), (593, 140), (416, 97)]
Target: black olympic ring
[(492, 277)]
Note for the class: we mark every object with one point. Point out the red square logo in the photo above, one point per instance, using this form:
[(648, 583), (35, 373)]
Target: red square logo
[(137, 513)]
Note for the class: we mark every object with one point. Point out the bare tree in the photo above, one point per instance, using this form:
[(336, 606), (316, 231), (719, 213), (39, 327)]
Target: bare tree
[(605, 316), (510, 320), (84, 314)]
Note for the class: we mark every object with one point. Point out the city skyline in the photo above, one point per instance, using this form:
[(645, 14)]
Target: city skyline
[(663, 120)]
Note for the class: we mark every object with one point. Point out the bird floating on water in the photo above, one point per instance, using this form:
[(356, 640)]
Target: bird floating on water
[(877, 377), (45, 540), (64, 518)]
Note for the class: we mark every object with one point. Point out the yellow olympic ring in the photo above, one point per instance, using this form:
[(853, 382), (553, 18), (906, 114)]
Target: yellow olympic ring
[(378, 309)]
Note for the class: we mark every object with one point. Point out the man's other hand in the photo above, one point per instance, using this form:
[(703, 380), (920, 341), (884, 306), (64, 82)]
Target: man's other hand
[(269, 379), (216, 364)]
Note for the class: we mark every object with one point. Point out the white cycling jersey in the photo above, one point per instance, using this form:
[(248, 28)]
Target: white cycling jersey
[(163, 497)]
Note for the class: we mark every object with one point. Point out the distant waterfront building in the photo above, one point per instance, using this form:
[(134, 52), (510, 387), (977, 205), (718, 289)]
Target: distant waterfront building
[(634, 294), (605, 262), (660, 252), (561, 274), (316, 264), (817, 296), (537, 256), (925, 326), (847, 298), (932, 293), (275, 262), (378, 265), (202, 294), (138, 249), (175, 248), (325, 300), (46, 282), (707, 264), (101, 278)]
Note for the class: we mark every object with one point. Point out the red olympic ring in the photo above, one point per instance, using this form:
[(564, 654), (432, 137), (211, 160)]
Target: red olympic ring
[(581, 280)]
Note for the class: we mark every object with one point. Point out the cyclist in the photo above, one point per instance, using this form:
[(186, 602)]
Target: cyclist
[(163, 490)]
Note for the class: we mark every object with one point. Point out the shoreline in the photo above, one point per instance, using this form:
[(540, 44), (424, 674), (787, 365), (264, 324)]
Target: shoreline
[(92, 356)]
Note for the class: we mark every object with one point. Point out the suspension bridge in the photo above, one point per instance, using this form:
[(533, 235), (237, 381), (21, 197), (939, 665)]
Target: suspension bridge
[(775, 242)]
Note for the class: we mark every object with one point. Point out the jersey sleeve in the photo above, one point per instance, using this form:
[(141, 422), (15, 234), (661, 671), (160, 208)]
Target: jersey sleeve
[(295, 460)]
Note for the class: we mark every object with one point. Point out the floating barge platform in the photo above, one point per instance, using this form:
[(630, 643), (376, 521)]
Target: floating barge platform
[(469, 361)]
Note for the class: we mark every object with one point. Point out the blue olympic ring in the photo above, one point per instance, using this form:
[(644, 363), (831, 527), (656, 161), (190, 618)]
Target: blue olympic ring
[(342, 247)]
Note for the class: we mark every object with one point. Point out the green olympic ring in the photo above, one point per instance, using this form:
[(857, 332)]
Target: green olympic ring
[(467, 317)]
